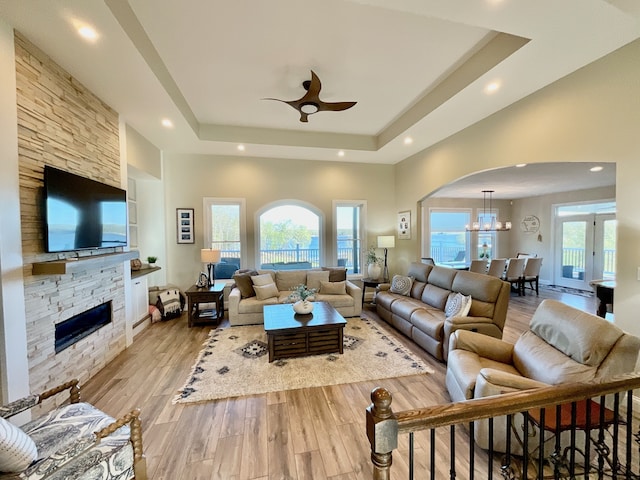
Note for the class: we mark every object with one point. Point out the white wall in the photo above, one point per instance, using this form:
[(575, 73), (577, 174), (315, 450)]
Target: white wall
[(14, 367)]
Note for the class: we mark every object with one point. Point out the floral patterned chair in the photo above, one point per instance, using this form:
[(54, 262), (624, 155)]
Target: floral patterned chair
[(74, 441)]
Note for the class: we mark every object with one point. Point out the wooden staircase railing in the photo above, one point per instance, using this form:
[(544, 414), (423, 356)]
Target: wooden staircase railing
[(607, 448)]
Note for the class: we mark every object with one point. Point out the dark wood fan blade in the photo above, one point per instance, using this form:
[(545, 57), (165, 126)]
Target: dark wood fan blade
[(335, 106), (314, 86)]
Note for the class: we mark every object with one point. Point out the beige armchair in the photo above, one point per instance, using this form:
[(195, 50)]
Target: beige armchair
[(73, 441), (562, 345)]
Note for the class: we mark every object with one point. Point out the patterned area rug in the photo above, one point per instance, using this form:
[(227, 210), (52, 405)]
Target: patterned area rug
[(235, 362), (572, 291)]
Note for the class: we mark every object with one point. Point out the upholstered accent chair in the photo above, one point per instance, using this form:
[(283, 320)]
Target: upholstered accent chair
[(531, 274), (478, 266), (514, 273), (72, 442), (562, 345), (496, 267)]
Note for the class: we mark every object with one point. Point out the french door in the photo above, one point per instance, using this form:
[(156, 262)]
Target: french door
[(585, 249)]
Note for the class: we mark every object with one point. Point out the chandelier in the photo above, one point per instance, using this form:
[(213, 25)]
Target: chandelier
[(490, 223)]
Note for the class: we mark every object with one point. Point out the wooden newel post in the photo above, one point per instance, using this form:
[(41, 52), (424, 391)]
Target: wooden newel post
[(382, 431)]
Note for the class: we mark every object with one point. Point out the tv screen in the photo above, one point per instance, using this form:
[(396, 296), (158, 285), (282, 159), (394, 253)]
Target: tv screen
[(81, 213)]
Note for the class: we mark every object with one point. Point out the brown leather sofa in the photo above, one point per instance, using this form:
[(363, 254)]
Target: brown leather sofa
[(420, 315), (563, 345)]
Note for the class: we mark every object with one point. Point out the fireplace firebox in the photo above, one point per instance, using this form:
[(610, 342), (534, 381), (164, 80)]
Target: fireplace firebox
[(82, 325)]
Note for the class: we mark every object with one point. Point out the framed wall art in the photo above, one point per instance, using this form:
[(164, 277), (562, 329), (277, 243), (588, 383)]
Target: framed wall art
[(184, 225), (404, 225)]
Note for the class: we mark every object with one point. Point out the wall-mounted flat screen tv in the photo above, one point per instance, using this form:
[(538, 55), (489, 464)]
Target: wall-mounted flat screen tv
[(80, 213)]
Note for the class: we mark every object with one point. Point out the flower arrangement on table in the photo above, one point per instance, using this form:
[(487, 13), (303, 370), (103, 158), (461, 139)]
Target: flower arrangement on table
[(372, 257), (301, 292), (302, 298)]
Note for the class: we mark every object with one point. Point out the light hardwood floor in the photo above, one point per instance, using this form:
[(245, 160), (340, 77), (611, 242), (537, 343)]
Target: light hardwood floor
[(315, 433)]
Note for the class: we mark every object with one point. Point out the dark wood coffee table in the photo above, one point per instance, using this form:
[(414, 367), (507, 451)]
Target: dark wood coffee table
[(293, 335)]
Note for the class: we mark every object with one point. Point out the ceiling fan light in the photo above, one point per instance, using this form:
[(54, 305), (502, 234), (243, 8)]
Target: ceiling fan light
[(309, 108)]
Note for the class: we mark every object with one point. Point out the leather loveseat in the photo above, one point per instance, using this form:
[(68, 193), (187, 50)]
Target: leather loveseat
[(562, 345), (245, 307), (420, 315)]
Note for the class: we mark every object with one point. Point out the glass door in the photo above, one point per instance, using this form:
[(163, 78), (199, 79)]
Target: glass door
[(604, 257), (574, 259), (587, 249)]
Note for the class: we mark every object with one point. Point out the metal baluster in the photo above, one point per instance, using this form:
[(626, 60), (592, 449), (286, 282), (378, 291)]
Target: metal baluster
[(572, 455), (525, 447), (507, 469), (472, 451), (601, 447), (629, 463), (541, 444), (587, 442), (452, 447), (615, 461), (556, 457), (433, 454), (490, 477), (411, 456)]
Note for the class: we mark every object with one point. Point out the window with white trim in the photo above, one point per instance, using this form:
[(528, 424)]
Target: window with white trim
[(225, 228), (349, 228)]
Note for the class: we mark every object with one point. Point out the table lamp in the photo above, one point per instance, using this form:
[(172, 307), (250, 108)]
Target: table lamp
[(386, 241), (210, 257)]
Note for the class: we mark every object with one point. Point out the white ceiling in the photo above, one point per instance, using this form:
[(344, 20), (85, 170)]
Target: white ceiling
[(417, 68)]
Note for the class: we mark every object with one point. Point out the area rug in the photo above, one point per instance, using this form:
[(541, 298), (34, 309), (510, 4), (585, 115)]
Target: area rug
[(572, 291), (235, 362)]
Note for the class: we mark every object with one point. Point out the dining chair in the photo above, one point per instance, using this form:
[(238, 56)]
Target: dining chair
[(526, 255), (514, 274), (428, 261), (496, 267), (478, 266), (531, 274)]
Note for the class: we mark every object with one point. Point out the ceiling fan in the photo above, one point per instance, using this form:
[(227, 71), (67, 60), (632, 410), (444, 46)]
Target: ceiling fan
[(310, 103)]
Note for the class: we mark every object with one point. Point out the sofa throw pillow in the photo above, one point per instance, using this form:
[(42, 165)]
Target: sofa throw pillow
[(17, 449), (333, 288), (315, 277), (244, 283), (457, 305), (263, 279), (401, 285), (336, 274), (264, 292)]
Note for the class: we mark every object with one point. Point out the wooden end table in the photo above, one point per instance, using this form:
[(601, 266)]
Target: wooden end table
[(197, 295), (371, 283), (292, 335)]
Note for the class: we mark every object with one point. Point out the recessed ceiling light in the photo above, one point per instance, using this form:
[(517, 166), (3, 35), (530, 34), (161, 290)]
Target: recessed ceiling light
[(241, 148), (520, 165), (408, 140), (492, 87), (596, 169), (88, 33), (167, 123), (341, 153)]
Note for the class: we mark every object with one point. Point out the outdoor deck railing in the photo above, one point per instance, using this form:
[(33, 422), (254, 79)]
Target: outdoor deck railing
[(608, 447)]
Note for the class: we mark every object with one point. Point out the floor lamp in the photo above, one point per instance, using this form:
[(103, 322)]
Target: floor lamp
[(210, 257), (386, 242)]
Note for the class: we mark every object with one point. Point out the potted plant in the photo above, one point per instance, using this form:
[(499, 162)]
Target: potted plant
[(152, 260), (374, 263), (302, 298)]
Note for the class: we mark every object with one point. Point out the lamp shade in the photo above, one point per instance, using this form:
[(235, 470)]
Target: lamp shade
[(208, 255), (386, 241)]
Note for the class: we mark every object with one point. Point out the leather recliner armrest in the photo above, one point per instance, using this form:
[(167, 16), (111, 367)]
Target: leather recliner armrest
[(482, 345), (492, 381)]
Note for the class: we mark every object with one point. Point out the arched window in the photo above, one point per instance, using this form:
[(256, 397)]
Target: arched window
[(290, 236)]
